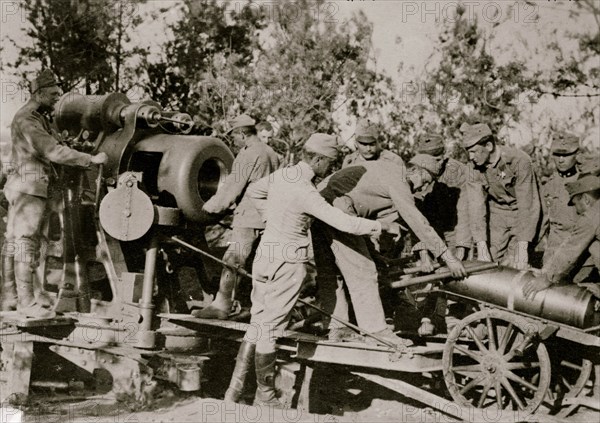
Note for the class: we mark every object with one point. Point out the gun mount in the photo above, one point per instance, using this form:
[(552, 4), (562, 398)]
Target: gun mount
[(106, 263)]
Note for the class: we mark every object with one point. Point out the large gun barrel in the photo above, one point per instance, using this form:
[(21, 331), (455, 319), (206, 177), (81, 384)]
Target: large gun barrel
[(179, 171), (568, 304)]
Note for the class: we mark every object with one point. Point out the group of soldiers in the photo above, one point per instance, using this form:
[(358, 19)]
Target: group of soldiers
[(305, 222), (491, 208)]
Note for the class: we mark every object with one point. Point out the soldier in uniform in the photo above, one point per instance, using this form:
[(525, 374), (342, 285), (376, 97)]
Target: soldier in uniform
[(264, 131), (368, 146), (28, 165), (584, 239), (256, 160), (289, 202), (559, 216), (373, 190), (446, 207), (507, 185)]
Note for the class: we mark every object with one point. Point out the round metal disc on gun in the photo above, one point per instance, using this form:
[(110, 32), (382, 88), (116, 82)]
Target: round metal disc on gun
[(126, 213)]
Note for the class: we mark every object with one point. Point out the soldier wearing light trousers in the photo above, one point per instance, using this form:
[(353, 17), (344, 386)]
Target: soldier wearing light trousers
[(27, 163), (289, 202)]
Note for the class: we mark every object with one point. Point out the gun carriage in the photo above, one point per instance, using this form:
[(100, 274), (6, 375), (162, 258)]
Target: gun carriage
[(115, 250)]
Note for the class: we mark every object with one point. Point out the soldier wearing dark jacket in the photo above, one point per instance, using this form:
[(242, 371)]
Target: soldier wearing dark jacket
[(507, 185), (368, 147), (255, 161), (27, 162), (446, 206), (582, 242), (559, 217)]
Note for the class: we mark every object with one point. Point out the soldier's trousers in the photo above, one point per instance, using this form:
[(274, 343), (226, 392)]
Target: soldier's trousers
[(25, 220), (354, 261), (241, 244), (273, 301), (503, 237)]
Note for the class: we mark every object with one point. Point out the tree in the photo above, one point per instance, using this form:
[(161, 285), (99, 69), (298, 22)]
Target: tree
[(315, 74), (468, 85), (290, 63), (207, 35), (575, 74), (84, 42)]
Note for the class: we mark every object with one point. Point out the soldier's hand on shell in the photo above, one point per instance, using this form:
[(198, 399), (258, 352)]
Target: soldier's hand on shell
[(99, 158), (533, 286)]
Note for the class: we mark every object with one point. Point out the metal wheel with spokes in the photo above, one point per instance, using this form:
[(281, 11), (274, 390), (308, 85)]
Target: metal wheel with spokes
[(493, 360)]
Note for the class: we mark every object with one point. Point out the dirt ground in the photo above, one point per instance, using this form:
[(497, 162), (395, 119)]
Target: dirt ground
[(196, 409)]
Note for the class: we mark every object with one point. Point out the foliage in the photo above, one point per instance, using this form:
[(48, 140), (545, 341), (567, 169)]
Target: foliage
[(210, 45), (296, 70), (82, 41), (468, 85)]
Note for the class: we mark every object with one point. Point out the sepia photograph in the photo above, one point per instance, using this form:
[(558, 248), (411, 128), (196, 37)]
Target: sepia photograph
[(315, 211)]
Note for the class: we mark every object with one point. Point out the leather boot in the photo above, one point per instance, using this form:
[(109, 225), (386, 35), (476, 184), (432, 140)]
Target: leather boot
[(266, 394), (27, 305), (8, 295), (243, 364), (218, 309)]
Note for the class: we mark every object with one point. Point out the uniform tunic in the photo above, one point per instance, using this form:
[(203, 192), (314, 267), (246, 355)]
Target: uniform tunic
[(289, 202), (559, 217), (28, 164), (446, 207), (509, 186), (255, 161), (584, 237), (355, 158), (371, 190)]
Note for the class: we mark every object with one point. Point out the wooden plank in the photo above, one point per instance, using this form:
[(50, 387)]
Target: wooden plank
[(17, 357)]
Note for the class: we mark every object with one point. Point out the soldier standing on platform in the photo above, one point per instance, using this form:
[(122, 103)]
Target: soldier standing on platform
[(28, 164), (255, 161), (507, 185)]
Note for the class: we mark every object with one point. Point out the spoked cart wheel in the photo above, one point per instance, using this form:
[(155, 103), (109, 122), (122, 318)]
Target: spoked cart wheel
[(492, 359), (570, 378)]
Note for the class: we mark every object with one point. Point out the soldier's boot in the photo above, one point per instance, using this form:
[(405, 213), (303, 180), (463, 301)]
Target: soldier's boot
[(266, 394), (223, 302), (8, 295), (244, 363), (41, 296), (27, 304)]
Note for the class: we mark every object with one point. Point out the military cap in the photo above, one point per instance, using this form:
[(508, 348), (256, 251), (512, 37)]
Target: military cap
[(323, 144), (430, 144), (366, 132), (240, 122), (475, 133), (44, 79), (586, 183), (588, 163), (564, 143), (427, 162)]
